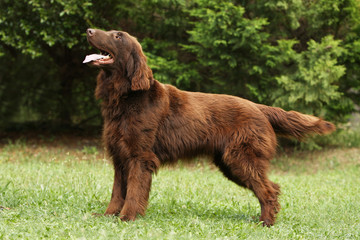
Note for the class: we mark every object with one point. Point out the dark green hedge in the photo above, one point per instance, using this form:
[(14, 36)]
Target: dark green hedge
[(302, 55)]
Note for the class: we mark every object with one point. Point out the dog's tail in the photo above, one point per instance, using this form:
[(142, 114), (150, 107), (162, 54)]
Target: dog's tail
[(295, 124)]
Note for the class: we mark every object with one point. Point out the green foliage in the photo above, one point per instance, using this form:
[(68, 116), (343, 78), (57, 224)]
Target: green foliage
[(15, 85), (244, 58), (226, 45), (311, 82), (90, 150), (301, 55), (53, 33), (166, 66), (33, 26)]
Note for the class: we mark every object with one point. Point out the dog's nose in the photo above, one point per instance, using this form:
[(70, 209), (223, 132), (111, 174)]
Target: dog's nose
[(90, 32)]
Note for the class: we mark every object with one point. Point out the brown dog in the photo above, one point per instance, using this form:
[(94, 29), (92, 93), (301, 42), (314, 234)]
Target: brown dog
[(147, 124)]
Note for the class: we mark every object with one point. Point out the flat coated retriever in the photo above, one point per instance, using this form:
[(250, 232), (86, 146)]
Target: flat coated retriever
[(147, 124)]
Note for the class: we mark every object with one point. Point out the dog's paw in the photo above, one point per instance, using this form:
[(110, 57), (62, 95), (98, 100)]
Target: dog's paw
[(126, 218), (267, 223), (112, 212)]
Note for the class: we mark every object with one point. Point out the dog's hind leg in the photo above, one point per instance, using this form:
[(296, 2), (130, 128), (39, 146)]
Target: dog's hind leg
[(242, 166)]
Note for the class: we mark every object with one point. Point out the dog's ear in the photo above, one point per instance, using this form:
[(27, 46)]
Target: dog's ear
[(138, 71)]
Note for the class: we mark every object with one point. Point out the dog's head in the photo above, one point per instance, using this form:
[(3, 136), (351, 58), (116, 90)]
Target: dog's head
[(123, 54)]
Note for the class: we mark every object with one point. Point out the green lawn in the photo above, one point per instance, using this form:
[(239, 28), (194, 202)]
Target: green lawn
[(51, 191)]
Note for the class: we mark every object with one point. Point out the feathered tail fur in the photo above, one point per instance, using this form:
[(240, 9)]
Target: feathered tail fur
[(295, 124)]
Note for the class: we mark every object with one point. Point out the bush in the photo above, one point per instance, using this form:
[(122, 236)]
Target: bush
[(301, 55)]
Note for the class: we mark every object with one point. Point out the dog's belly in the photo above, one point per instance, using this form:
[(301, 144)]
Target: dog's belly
[(171, 153), (185, 144)]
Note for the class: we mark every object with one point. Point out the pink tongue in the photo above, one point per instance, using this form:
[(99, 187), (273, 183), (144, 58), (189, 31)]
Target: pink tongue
[(93, 57)]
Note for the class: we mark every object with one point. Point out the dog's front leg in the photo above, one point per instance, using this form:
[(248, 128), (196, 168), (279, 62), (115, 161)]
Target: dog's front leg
[(139, 179), (118, 192)]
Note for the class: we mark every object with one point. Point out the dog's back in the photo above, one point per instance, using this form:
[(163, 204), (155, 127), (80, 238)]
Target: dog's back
[(200, 123)]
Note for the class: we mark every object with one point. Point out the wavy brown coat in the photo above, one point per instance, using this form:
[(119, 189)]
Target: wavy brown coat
[(147, 124)]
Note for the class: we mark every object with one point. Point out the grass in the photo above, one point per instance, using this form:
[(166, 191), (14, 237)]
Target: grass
[(49, 190)]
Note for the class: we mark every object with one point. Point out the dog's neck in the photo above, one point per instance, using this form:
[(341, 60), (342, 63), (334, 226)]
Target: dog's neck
[(114, 89), (111, 86)]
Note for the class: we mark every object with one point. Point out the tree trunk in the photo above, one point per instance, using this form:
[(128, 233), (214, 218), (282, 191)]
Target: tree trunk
[(65, 95)]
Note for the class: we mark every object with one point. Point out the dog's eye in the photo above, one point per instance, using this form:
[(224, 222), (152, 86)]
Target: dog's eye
[(118, 36)]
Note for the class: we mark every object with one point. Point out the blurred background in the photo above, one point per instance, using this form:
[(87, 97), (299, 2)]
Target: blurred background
[(297, 54)]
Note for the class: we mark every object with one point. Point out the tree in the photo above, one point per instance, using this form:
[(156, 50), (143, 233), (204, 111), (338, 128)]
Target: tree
[(296, 54), (52, 32), (278, 53)]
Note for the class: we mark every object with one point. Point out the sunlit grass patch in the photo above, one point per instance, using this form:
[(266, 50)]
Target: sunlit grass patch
[(52, 191)]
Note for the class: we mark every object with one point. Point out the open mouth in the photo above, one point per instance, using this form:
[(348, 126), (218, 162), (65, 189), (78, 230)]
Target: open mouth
[(99, 59)]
